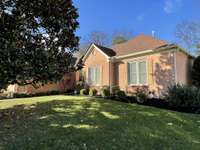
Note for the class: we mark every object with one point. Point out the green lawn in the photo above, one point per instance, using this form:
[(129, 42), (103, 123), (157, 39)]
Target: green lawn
[(64, 122)]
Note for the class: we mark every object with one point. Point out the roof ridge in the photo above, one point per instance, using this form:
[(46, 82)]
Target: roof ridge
[(138, 43), (140, 35)]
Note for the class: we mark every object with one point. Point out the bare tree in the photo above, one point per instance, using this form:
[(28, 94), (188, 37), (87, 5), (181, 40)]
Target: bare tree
[(188, 33), (104, 39), (121, 37), (98, 37), (82, 51)]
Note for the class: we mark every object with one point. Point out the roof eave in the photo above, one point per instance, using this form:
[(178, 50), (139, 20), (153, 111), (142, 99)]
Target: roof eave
[(146, 52), (133, 54)]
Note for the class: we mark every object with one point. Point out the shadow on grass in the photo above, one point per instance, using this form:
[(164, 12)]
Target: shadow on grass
[(159, 103), (96, 124)]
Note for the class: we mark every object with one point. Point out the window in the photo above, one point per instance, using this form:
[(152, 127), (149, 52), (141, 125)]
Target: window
[(81, 75), (94, 75), (137, 72)]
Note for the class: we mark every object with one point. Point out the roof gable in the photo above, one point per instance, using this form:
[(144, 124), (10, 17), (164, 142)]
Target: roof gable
[(107, 52)]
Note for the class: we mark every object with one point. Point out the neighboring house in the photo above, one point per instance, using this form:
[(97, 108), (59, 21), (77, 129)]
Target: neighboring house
[(143, 62), (67, 83)]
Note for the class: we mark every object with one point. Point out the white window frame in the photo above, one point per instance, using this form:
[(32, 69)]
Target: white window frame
[(89, 80), (137, 72)]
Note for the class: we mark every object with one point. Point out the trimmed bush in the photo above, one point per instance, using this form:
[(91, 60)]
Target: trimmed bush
[(92, 92), (120, 94), (24, 95), (183, 96), (80, 85), (83, 92), (141, 96), (115, 89), (54, 92), (196, 72), (105, 92)]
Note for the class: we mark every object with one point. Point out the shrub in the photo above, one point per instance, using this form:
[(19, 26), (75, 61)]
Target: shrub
[(79, 86), (105, 92), (83, 92), (54, 93), (141, 95), (120, 94), (70, 92), (92, 92), (196, 72), (183, 96), (115, 89), (3, 95), (24, 95), (20, 95)]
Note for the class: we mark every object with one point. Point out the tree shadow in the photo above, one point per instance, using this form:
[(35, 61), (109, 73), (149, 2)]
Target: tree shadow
[(164, 72), (94, 124), (162, 76)]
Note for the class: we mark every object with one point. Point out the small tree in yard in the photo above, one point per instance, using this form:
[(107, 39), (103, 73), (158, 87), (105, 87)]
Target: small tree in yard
[(37, 40), (196, 72)]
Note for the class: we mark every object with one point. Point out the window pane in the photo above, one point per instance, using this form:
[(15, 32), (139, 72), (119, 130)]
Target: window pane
[(97, 73), (132, 73), (142, 72), (143, 79), (89, 75), (94, 75)]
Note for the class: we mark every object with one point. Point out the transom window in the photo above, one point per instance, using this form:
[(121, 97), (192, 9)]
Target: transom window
[(137, 73), (94, 75)]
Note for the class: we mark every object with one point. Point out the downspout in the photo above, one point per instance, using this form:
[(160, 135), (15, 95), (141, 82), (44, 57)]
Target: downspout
[(110, 83), (175, 67)]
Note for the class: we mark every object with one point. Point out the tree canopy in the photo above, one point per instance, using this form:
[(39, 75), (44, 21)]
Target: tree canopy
[(37, 40)]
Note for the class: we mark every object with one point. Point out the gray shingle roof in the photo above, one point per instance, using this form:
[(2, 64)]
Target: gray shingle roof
[(106, 50)]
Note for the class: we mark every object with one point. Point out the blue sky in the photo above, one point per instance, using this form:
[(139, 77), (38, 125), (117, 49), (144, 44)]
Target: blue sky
[(137, 16)]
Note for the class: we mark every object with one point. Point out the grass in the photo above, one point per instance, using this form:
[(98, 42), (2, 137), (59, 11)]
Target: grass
[(73, 123)]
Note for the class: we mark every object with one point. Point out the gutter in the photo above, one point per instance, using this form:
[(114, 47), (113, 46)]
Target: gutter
[(175, 67), (109, 61), (134, 54), (165, 48)]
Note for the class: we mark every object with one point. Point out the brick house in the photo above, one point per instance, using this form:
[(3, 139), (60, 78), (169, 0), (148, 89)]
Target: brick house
[(67, 83), (143, 62)]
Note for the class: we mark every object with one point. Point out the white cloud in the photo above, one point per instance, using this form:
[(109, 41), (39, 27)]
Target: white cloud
[(170, 6)]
